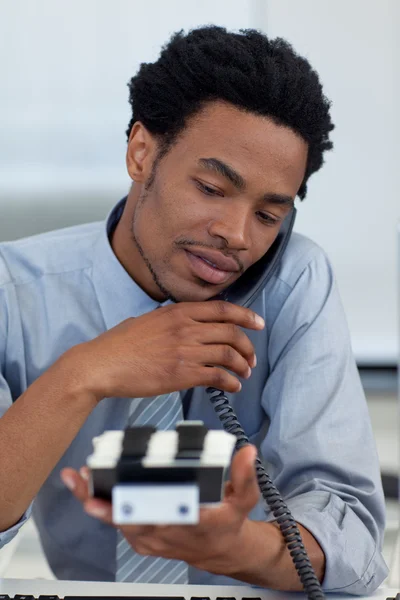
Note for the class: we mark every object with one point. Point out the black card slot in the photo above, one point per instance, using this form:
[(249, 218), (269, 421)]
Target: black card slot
[(136, 440)]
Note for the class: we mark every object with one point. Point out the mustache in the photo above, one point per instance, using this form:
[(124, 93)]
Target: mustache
[(182, 243)]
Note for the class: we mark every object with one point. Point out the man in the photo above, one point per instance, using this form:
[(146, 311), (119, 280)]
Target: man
[(225, 132)]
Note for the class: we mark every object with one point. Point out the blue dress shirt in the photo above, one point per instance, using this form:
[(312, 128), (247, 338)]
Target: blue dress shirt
[(303, 406)]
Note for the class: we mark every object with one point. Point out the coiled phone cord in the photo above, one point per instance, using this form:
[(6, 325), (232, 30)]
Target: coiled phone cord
[(280, 510)]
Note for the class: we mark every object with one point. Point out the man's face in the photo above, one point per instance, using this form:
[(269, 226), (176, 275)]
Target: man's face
[(216, 203)]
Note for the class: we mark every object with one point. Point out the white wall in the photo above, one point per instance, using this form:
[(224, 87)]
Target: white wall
[(353, 205), (63, 113), (64, 68)]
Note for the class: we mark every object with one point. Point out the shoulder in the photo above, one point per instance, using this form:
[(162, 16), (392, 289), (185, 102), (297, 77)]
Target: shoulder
[(303, 281), (51, 253), (301, 256)]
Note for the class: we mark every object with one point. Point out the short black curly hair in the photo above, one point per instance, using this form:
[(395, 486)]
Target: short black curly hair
[(255, 74)]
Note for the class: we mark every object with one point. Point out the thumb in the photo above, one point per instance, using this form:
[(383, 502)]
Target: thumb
[(245, 492)]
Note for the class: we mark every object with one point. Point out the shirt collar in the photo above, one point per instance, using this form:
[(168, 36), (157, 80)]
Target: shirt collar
[(119, 296)]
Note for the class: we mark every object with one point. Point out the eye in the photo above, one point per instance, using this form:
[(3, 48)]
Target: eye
[(207, 190), (267, 219)]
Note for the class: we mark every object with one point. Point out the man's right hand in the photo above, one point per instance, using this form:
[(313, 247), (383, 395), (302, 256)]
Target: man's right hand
[(173, 348)]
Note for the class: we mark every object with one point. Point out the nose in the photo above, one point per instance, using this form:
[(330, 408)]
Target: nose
[(233, 227)]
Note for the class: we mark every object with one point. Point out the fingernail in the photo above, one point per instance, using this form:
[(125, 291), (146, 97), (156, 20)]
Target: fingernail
[(69, 482), (260, 321), (248, 373), (254, 361), (84, 474), (96, 511)]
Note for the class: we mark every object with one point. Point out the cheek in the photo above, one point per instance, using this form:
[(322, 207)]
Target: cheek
[(154, 221), (179, 214), (262, 242)]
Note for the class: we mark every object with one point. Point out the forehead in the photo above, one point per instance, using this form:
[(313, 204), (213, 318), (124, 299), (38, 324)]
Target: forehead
[(255, 145)]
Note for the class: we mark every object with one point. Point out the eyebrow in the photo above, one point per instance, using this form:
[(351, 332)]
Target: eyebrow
[(221, 168)]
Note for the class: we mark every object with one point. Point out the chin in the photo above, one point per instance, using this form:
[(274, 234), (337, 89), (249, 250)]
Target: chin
[(183, 287), (192, 293)]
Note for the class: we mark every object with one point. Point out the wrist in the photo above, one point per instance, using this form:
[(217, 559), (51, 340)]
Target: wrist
[(258, 550), (76, 375), (262, 558)]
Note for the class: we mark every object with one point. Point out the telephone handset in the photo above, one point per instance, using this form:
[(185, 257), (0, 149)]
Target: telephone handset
[(249, 285), (243, 292)]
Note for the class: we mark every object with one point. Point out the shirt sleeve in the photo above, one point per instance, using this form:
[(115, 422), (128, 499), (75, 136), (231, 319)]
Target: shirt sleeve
[(5, 403), (320, 448)]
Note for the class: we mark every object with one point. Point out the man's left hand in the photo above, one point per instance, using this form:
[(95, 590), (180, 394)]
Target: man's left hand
[(216, 544)]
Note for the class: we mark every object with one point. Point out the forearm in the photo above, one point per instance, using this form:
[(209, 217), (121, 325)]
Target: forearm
[(35, 432), (264, 559)]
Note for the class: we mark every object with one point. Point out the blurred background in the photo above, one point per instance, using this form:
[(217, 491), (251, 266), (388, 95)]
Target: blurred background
[(63, 114)]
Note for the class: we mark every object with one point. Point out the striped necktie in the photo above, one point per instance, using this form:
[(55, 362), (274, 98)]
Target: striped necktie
[(163, 412)]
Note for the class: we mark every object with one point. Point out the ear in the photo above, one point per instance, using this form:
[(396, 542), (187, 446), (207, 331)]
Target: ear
[(141, 153)]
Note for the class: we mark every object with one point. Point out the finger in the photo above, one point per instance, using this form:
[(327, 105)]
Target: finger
[(75, 483), (222, 356), (228, 489), (151, 540), (143, 548), (217, 378), (228, 333), (245, 490), (99, 509), (224, 312), (154, 547), (138, 530), (84, 473), (145, 543)]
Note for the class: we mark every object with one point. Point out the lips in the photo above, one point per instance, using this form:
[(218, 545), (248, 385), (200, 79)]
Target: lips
[(211, 266), (216, 259)]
